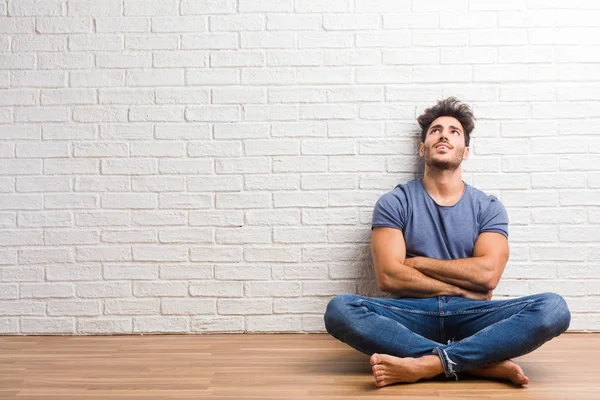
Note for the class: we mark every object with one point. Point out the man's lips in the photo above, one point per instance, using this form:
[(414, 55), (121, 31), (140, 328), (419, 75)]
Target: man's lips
[(446, 145)]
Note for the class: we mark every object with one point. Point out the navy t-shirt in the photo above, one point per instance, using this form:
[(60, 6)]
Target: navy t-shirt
[(434, 231)]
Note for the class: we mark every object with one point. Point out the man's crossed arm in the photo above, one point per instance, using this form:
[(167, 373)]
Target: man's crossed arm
[(473, 277), (480, 272)]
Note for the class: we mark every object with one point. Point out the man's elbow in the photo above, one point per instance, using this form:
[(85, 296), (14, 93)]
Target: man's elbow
[(490, 281)]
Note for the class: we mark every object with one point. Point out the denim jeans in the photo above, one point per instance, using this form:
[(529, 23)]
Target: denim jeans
[(465, 334)]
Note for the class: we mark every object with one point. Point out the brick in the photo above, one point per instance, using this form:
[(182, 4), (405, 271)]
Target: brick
[(18, 97), (186, 235), (273, 76), (103, 8), (383, 75), (160, 324), (35, 8), (181, 96), (102, 218), (184, 200), (272, 218), (286, 58), (270, 112), (218, 324), (327, 181), (213, 113), (71, 236), (216, 183), (237, 59), (243, 200), (226, 23), (274, 254), (47, 326), (71, 166), (272, 289), (248, 165), (209, 148), (152, 42), (212, 76), (163, 289), (183, 166), (237, 95), (216, 41), (179, 24), (136, 271), (351, 57), (129, 200), (124, 60), (217, 289), (158, 184), (328, 40), (170, 77), (266, 5), (174, 59), (158, 114), (95, 42), (200, 7), (244, 306), (104, 253), (185, 272), (216, 218), (122, 24), (129, 166), (45, 219), (70, 200), (108, 326), (300, 199), (74, 307), (100, 114), (351, 22), (129, 236), (293, 22), (67, 96), (64, 25), (107, 78), (151, 8), (158, 218), (216, 254), (17, 61), (273, 323), (188, 306), (103, 290), (73, 272), (243, 235)]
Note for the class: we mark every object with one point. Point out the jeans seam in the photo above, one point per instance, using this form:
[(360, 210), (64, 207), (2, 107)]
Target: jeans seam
[(401, 309), (529, 302)]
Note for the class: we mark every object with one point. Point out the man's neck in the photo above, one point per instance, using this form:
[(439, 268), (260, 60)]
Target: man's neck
[(444, 186)]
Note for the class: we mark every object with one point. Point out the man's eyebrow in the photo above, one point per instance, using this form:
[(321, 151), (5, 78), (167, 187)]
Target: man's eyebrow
[(440, 126)]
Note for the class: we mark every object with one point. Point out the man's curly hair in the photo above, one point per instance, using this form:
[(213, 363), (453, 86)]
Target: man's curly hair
[(450, 107)]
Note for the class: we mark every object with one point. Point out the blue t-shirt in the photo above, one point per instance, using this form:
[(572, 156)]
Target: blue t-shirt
[(434, 231)]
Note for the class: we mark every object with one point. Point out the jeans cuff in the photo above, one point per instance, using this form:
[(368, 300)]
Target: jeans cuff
[(447, 363)]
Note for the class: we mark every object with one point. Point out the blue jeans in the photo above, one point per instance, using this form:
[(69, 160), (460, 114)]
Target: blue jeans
[(465, 334)]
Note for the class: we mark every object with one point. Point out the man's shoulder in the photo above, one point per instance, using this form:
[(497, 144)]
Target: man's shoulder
[(401, 192)]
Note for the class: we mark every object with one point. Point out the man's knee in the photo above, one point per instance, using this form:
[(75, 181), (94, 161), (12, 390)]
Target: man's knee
[(556, 317), (336, 314)]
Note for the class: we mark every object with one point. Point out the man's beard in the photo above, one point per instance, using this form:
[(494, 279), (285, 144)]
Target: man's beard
[(448, 164)]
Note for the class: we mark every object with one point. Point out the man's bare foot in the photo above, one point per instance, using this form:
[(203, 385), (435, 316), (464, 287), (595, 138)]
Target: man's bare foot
[(390, 369), (506, 369)]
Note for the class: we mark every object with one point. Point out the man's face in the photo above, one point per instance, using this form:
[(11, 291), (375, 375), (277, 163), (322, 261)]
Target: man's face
[(444, 146)]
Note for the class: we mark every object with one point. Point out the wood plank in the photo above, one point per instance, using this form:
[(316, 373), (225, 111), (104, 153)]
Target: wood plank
[(280, 366)]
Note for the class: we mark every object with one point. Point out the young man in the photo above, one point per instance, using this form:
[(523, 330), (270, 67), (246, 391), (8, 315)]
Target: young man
[(439, 247)]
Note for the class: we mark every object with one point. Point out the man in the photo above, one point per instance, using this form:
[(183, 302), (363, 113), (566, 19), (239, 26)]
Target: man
[(439, 247)]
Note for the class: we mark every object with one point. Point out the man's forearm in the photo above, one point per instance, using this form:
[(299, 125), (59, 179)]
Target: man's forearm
[(469, 273), (406, 281)]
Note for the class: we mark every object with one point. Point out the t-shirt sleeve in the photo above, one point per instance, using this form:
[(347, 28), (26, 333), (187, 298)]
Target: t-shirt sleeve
[(389, 211), (494, 218)]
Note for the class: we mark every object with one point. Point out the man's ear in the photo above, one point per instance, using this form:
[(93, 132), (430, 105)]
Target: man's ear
[(466, 153), (422, 149)]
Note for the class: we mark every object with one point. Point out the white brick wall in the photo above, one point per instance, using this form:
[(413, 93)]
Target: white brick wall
[(212, 165)]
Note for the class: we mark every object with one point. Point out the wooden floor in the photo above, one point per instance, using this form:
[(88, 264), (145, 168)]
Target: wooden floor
[(261, 367)]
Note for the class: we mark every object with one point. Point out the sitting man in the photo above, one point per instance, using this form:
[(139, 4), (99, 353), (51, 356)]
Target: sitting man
[(439, 248)]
